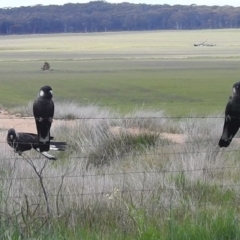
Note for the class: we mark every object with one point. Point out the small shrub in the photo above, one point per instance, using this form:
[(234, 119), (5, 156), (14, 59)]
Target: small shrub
[(118, 146)]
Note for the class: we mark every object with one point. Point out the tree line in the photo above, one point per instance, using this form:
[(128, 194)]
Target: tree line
[(99, 16)]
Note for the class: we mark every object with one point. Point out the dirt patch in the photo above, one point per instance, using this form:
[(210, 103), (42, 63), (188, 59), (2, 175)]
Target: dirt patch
[(20, 125), (27, 124)]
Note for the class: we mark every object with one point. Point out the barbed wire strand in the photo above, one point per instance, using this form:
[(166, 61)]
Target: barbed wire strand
[(169, 143), (144, 154), (128, 172), (119, 118), (124, 191)]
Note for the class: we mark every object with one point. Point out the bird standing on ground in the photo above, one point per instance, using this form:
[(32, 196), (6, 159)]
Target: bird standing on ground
[(21, 142), (232, 117), (43, 111)]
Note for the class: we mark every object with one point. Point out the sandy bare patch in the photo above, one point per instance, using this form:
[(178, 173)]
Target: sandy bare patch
[(19, 124), (27, 124), (174, 137)]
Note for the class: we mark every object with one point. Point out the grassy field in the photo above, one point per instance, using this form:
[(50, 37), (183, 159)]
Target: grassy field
[(120, 178), (154, 70)]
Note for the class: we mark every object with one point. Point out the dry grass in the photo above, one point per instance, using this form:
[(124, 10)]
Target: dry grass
[(143, 160), (104, 174)]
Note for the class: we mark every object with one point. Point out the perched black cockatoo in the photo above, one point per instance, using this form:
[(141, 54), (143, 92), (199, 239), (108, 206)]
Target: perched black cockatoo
[(21, 142), (43, 111), (232, 117)]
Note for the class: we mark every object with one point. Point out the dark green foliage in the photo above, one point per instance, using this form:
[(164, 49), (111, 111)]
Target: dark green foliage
[(101, 16)]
